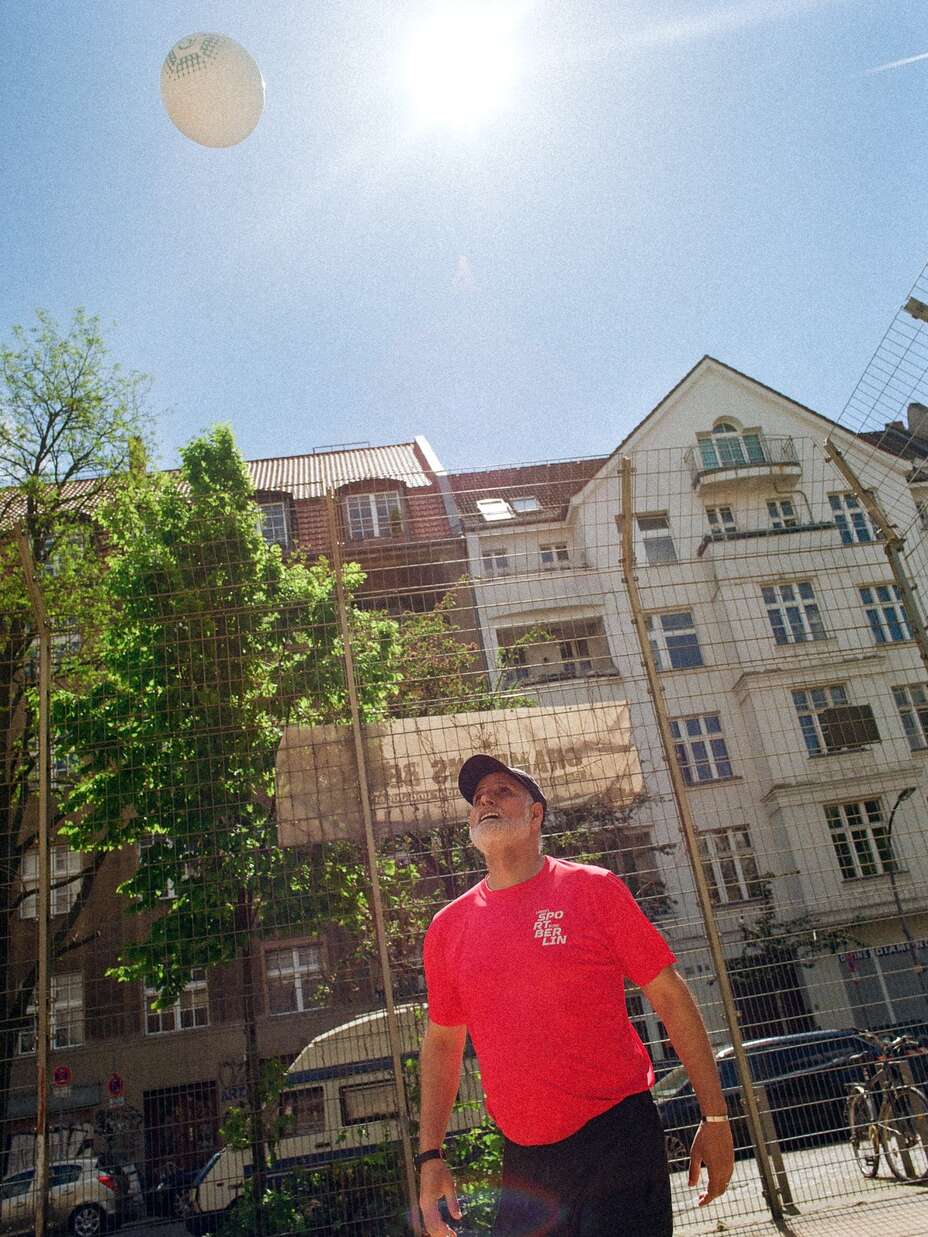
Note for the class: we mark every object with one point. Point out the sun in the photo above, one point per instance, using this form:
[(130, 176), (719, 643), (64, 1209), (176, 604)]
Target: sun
[(461, 65)]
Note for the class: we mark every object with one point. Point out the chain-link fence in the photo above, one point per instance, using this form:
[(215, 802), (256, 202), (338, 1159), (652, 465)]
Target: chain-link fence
[(708, 652)]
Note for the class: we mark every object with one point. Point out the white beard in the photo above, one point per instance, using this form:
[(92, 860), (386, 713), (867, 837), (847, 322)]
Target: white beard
[(495, 832)]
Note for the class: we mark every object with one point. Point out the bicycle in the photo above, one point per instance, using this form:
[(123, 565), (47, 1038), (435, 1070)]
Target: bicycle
[(886, 1113)]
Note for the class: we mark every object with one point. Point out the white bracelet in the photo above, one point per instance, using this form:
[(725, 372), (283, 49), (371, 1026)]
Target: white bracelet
[(713, 1120)]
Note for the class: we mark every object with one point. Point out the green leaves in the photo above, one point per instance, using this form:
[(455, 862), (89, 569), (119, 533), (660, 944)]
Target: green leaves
[(216, 643)]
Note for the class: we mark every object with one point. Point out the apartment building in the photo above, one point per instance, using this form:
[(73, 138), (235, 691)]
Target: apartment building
[(152, 1085), (796, 693), (798, 704)]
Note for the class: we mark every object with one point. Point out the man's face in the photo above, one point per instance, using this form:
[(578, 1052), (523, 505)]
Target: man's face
[(503, 812)]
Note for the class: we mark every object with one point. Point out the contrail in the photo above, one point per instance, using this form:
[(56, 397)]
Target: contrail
[(896, 64)]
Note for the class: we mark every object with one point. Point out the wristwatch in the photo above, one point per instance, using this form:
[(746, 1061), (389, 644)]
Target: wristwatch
[(713, 1120), (434, 1153)]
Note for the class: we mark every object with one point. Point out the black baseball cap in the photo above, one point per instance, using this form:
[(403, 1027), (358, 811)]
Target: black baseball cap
[(479, 766)]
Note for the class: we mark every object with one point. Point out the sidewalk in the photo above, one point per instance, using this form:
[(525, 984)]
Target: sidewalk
[(832, 1199), (905, 1217)]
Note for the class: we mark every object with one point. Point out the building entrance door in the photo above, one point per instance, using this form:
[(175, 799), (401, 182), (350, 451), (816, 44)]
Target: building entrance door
[(181, 1128)]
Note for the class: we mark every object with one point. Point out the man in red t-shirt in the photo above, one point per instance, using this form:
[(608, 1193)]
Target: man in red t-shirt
[(531, 962)]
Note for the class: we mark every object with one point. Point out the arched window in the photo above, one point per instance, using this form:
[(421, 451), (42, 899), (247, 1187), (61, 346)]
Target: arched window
[(729, 446)]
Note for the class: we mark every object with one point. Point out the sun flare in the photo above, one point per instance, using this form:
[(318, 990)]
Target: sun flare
[(461, 65)]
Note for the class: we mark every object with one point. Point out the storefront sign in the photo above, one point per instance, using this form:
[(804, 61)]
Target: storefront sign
[(882, 951), (580, 754)]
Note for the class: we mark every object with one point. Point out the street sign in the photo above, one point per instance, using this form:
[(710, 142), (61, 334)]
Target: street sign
[(61, 1076), (115, 1086)]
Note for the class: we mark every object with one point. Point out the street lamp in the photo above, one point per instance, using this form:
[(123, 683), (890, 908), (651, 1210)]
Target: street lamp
[(891, 867)]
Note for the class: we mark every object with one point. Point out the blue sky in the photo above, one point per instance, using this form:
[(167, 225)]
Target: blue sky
[(661, 180)]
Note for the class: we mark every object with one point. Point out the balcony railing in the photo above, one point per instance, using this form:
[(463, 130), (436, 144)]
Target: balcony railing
[(751, 455)]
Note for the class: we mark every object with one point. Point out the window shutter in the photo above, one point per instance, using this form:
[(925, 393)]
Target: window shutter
[(848, 725)]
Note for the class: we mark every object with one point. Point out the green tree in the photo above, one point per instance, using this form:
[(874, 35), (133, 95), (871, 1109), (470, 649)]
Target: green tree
[(440, 670), (217, 643), (68, 417)]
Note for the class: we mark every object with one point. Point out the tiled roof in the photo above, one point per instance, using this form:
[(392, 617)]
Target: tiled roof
[(310, 476), (897, 440), (552, 484)]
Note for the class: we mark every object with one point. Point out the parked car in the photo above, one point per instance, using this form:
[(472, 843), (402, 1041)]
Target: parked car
[(82, 1199), (170, 1195), (805, 1077)]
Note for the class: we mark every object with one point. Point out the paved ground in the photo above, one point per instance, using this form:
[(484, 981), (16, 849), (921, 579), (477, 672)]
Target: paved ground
[(831, 1199)]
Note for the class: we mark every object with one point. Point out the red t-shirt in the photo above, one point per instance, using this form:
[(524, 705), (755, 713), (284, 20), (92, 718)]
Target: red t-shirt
[(536, 973)]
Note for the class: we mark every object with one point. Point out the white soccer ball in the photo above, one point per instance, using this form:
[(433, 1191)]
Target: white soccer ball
[(212, 89)]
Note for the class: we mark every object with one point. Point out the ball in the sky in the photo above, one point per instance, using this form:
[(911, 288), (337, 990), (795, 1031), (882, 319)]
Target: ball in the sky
[(212, 89)]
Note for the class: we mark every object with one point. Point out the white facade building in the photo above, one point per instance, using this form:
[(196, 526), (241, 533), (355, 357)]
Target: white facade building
[(799, 699)]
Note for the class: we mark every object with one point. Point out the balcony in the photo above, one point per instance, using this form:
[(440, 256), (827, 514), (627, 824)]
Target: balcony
[(714, 463), (549, 653)]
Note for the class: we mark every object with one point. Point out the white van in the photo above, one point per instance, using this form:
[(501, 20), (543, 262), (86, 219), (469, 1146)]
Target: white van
[(340, 1099)]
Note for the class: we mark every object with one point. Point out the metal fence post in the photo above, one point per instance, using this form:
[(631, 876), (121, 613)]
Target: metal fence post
[(772, 1194), (357, 730), (42, 987)]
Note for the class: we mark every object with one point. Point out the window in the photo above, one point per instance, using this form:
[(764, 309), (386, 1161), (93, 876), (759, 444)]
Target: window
[(190, 1010), (65, 643), (885, 613), (921, 511), (912, 703), (495, 561), (274, 524), (793, 612), (515, 662), (367, 1101), (575, 657), (782, 513), (528, 503), (293, 975), (858, 834), (18, 1184), (673, 640), (303, 1110), (656, 539), (565, 650), (61, 766), (67, 1015), (851, 519), (65, 881), (729, 864), (555, 555), (374, 515), (62, 551), (829, 723), (700, 749), (160, 845), (721, 519), (729, 447), (494, 509)]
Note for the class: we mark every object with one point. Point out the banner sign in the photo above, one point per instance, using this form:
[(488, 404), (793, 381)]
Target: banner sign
[(580, 754), (882, 951)]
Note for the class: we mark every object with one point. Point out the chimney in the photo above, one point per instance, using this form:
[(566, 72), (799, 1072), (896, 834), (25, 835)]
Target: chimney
[(918, 420)]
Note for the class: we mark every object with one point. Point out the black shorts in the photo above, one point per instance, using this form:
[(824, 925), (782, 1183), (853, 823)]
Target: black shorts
[(610, 1179)]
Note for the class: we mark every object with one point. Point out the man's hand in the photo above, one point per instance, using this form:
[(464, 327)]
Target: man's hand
[(713, 1147), (435, 1182)]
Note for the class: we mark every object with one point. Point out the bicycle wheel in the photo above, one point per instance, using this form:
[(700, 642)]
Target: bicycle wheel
[(864, 1131), (904, 1133)]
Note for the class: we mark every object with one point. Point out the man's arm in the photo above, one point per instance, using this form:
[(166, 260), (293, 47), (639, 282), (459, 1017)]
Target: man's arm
[(712, 1145), (439, 1077)]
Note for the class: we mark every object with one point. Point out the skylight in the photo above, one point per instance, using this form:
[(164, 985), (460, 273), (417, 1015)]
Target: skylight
[(494, 509)]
